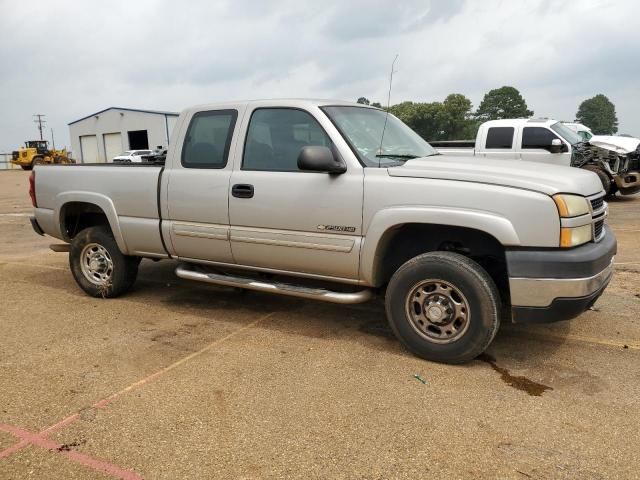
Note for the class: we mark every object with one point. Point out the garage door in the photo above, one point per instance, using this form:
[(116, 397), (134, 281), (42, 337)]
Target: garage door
[(89, 148), (112, 145)]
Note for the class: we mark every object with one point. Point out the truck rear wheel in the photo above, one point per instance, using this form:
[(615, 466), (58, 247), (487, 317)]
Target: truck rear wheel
[(98, 265), (443, 307)]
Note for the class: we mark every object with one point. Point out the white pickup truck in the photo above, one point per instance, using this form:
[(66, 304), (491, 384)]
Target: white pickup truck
[(338, 201), (549, 141)]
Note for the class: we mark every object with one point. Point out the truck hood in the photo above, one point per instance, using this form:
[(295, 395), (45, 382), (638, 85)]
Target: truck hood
[(539, 177), (620, 145)]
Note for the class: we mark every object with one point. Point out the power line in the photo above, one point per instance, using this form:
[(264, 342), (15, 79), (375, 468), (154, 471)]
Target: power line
[(39, 120)]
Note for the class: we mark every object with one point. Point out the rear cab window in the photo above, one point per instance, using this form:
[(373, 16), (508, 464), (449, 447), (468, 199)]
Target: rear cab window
[(499, 138), (208, 139)]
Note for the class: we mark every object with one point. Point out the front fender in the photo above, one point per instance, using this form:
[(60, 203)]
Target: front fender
[(97, 199), (495, 225)]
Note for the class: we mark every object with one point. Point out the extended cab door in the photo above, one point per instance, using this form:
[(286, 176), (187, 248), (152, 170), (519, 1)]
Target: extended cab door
[(498, 143), (285, 219), (195, 213), (535, 146)]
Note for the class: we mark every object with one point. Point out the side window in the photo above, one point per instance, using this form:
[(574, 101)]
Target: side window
[(537, 137), (500, 137), (208, 139), (276, 136)]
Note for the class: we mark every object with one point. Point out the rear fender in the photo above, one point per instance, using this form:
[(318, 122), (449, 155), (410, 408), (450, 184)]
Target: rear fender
[(97, 199)]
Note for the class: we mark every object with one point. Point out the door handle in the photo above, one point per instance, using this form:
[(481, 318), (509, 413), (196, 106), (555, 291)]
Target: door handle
[(242, 190)]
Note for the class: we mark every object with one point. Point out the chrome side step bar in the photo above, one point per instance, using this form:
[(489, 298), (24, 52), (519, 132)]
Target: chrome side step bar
[(276, 287)]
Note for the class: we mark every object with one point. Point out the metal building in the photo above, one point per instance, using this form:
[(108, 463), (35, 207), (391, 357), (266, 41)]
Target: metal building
[(99, 137)]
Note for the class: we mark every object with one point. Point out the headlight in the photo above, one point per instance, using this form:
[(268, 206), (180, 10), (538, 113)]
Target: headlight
[(571, 205), (574, 236)]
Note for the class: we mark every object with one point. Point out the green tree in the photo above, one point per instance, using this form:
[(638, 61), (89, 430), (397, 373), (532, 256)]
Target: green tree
[(455, 117), (503, 102), (599, 114), (448, 120), (364, 100), (421, 117)]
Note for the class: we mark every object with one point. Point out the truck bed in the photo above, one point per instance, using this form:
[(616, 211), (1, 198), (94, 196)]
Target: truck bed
[(459, 148), (453, 143), (127, 193)]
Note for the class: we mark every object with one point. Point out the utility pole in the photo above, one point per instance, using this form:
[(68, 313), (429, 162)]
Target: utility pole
[(40, 121), (53, 141)]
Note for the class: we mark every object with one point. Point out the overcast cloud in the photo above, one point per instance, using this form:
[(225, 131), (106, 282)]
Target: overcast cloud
[(69, 59)]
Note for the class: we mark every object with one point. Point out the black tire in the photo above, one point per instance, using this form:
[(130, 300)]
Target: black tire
[(37, 161), (604, 179), (479, 294), (121, 274), (27, 167)]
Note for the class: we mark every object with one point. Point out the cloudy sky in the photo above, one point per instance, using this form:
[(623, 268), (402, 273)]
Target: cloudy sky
[(67, 59)]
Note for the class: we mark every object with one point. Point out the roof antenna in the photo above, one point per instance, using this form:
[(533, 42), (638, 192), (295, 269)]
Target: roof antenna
[(393, 64)]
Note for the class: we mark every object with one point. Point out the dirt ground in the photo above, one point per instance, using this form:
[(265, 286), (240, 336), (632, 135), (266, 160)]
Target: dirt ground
[(182, 380)]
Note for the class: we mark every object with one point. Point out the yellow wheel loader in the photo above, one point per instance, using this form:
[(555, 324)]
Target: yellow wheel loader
[(36, 152)]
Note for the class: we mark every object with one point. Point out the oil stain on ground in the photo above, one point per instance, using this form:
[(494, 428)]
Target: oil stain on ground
[(534, 389)]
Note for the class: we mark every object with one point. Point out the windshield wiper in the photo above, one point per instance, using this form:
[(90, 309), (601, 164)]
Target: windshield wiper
[(394, 155)]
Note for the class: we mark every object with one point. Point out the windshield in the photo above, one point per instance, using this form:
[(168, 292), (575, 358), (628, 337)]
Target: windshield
[(566, 133), (362, 128)]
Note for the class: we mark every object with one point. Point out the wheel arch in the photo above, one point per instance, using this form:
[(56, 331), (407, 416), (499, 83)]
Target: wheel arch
[(79, 210), (396, 235)]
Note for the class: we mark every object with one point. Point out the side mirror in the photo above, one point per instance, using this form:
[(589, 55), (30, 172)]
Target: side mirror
[(320, 159), (556, 145)]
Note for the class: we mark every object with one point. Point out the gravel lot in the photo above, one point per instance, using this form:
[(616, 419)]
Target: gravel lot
[(182, 380)]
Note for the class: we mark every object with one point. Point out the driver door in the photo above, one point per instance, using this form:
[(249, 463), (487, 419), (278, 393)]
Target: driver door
[(285, 219), (535, 145)]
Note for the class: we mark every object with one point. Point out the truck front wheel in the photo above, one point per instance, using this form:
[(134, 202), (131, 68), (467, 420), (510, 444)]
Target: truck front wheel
[(98, 265), (443, 307), (607, 185)]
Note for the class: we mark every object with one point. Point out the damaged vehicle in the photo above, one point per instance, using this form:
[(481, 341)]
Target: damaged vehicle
[(615, 160)]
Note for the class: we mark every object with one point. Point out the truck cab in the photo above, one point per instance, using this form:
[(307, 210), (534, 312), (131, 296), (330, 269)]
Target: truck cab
[(534, 140)]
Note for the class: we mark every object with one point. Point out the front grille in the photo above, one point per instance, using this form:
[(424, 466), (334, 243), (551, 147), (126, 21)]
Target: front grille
[(596, 203), (597, 229)]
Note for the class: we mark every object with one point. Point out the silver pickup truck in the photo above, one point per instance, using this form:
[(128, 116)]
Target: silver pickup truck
[(338, 201)]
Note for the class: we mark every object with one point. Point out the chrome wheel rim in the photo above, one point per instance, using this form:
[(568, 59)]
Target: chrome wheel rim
[(96, 264), (438, 311)]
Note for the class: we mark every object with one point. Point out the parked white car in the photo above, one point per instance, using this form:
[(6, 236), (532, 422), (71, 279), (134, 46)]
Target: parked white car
[(622, 145), (131, 156), (582, 130)]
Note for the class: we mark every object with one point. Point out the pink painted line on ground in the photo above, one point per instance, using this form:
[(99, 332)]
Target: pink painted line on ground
[(13, 448), (62, 423), (38, 440), (101, 466)]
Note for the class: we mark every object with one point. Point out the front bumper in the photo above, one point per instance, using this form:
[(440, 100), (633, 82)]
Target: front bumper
[(628, 183), (552, 285)]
